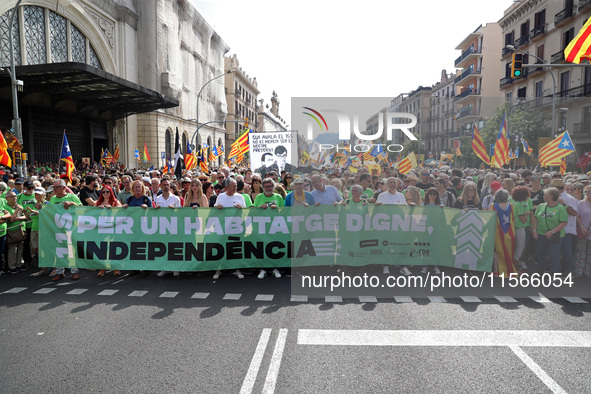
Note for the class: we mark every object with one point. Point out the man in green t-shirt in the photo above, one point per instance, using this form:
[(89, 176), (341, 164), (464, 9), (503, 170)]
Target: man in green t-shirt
[(269, 199), (32, 213), (26, 199), (60, 196)]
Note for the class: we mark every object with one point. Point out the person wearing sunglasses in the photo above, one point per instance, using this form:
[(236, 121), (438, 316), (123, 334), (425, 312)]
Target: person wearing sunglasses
[(107, 200), (286, 181)]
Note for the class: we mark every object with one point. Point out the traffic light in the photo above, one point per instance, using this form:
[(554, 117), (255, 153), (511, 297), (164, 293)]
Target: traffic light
[(516, 65), (16, 158)]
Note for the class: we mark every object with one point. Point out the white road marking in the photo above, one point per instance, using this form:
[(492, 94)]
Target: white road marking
[(403, 299), (505, 299), (264, 297), (138, 293), (437, 299), (232, 296), (470, 299), (367, 299), (169, 294), (299, 298), (107, 292), (273, 371), (77, 291), (15, 290), (575, 300), (200, 296), (333, 299), (539, 299), (540, 373), (445, 338), (255, 363), (44, 290)]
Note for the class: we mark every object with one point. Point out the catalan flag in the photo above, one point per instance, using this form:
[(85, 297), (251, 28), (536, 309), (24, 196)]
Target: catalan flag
[(220, 150), (5, 159), (240, 145), (367, 156), (146, 154), (407, 164), (580, 46), (478, 146), (66, 156), (447, 156), (552, 152), (107, 157), (115, 157), (563, 166), (501, 156), (526, 147), (190, 159), (213, 154), (458, 151), (167, 166), (202, 162)]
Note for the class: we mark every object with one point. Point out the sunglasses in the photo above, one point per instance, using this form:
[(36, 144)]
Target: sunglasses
[(108, 183), (587, 192), (106, 192)]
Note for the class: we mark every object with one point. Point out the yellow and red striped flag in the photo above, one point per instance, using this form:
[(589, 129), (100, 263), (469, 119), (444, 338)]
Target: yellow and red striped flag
[(240, 145), (5, 159), (553, 151), (458, 151), (501, 155), (407, 164), (447, 156), (580, 46), (563, 166), (478, 146), (190, 159), (115, 157)]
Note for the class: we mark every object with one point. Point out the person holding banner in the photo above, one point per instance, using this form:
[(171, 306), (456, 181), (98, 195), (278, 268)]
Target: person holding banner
[(269, 199), (139, 197), (195, 197), (299, 197), (230, 199), (167, 200), (60, 196), (107, 200)]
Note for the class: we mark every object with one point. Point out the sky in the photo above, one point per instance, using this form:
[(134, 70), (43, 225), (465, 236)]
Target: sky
[(324, 48)]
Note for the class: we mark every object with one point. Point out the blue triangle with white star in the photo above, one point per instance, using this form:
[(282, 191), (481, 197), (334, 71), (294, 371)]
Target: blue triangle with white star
[(566, 143)]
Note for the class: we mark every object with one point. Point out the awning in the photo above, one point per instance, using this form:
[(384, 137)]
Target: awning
[(81, 89)]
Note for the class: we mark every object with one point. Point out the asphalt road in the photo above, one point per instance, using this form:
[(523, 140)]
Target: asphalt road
[(190, 335)]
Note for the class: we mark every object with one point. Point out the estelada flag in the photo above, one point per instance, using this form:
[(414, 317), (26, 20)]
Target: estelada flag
[(115, 157), (553, 151), (66, 157), (190, 159), (478, 146), (580, 46), (501, 155), (5, 159)]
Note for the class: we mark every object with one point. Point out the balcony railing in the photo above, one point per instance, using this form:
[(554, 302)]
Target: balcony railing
[(537, 31), (467, 53), (521, 41), (581, 129), (506, 81), (557, 57), (583, 4), (565, 14), (466, 74), (506, 51), (533, 70), (466, 111), (466, 93)]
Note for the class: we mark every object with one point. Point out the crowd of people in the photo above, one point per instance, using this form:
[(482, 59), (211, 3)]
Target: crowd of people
[(540, 214)]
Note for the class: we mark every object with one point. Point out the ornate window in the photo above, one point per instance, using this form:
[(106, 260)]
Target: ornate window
[(37, 42), (78, 45), (35, 35), (58, 38)]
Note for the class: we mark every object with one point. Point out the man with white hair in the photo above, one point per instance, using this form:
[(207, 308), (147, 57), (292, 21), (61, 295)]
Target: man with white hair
[(324, 194)]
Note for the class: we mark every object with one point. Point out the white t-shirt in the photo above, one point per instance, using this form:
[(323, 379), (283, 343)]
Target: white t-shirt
[(571, 224), (171, 200), (392, 199), (229, 201)]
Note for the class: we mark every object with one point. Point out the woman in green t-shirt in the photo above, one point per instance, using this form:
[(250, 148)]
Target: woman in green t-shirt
[(523, 206), (16, 223), (550, 218)]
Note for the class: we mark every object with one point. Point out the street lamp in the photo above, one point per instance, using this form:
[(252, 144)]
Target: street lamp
[(15, 84), (198, 97), (511, 47)]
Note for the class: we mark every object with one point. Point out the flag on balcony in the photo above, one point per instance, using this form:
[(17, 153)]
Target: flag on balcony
[(580, 47), (526, 147), (552, 152), (66, 156), (563, 166), (501, 156), (407, 164), (478, 146)]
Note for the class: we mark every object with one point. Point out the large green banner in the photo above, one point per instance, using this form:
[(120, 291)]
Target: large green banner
[(187, 239)]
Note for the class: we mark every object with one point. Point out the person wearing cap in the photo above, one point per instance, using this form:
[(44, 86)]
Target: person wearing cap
[(32, 214), (186, 185), (299, 197), (146, 181), (27, 199), (488, 200), (18, 185)]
